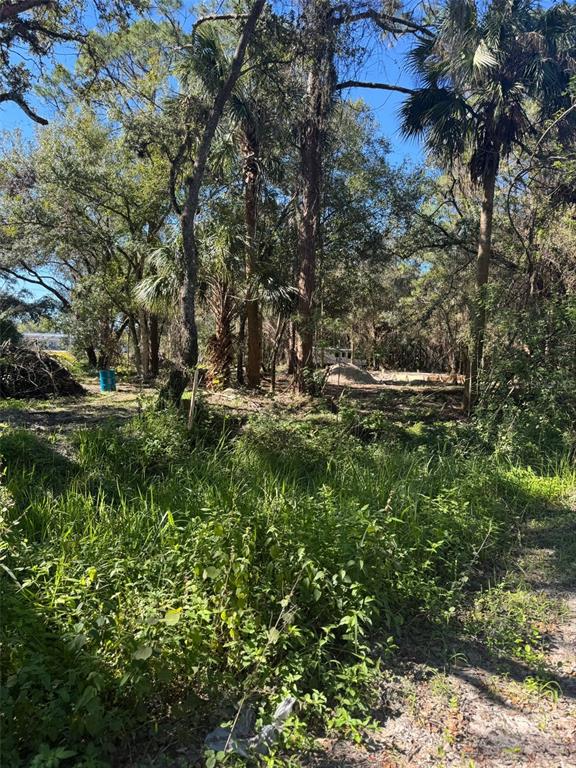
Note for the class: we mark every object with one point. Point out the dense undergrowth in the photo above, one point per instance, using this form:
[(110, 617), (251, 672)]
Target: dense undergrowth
[(155, 578)]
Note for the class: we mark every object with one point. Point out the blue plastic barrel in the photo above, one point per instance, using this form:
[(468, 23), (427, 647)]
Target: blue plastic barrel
[(107, 380)]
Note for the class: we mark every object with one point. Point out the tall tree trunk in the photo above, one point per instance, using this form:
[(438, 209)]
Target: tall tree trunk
[(320, 83), (91, 357), (136, 343), (275, 349), (187, 331), (144, 343), (154, 345), (253, 319), (292, 360), (241, 340), (221, 345), (478, 314)]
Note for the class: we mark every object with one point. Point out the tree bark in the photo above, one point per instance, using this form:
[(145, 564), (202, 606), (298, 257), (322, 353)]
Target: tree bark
[(187, 331), (154, 345), (319, 88), (144, 343), (478, 313), (91, 356), (136, 342), (292, 361), (253, 319), (221, 345), (240, 346), (275, 349)]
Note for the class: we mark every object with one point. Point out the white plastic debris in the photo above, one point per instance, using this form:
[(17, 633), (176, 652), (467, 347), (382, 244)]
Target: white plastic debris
[(238, 739)]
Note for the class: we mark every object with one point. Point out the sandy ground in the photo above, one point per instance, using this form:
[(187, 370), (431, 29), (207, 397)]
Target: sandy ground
[(399, 394)]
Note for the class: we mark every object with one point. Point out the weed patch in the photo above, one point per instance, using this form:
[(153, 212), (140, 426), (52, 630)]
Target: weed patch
[(161, 577)]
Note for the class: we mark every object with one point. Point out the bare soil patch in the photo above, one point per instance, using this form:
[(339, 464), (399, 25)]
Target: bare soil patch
[(345, 374), (401, 396)]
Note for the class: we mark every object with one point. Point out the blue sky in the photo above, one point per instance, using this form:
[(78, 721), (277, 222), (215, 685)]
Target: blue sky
[(386, 63)]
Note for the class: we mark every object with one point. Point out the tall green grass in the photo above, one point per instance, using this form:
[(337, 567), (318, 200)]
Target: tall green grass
[(156, 577)]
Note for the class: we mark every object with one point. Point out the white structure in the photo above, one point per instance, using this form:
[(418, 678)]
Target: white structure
[(334, 355), (59, 342)]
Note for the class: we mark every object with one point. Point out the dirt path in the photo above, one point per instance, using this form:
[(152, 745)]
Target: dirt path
[(464, 706), (69, 413)]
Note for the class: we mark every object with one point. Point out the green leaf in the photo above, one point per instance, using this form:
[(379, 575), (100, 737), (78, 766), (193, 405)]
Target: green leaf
[(172, 617), (211, 572), (142, 653)]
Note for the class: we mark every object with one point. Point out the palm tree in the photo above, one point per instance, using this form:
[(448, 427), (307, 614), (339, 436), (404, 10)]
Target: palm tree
[(488, 77), (158, 292)]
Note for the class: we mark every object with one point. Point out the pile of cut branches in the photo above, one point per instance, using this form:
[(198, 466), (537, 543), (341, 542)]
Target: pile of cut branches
[(28, 373)]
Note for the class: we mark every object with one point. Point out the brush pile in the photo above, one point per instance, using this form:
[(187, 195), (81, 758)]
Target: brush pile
[(28, 373)]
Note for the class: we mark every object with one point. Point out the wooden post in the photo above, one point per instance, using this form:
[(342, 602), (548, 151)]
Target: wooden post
[(193, 399)]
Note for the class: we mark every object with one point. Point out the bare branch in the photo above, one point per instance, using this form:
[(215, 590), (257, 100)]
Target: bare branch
[(24, 106), (395, 24), (40, 281), (379, 86), (218, 17)]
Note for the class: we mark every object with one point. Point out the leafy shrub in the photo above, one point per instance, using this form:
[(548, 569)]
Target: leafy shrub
[(149, 443), (70, 362)]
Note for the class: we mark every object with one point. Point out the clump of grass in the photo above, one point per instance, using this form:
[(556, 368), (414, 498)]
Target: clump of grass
[(513, 620), (164, 575)]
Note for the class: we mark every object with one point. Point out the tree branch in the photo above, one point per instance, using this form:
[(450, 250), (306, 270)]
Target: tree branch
[(11, 8), (64, 301), (18, 99), (380, 86), (217, 17), (394, 24)]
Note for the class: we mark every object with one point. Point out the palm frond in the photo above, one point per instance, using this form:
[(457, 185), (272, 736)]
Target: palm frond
[(204, 59), (158, 291), (483, 57), (439, 115), (460, 17)]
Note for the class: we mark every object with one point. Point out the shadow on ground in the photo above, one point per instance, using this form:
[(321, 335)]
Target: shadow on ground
[(407, 403), (451, 700), (26, 454)]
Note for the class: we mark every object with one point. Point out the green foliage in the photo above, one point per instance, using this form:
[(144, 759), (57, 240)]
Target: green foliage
[(513, 622), (9, 331), (148, 444), (481, 71), (70, 362), (159, 576), (528, 406)]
